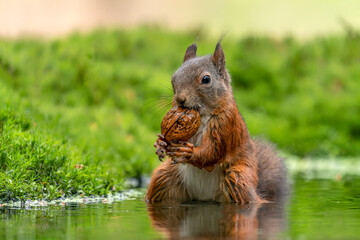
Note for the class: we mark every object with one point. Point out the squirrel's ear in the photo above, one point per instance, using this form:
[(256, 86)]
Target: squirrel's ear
[(219, 58), (190, 52)]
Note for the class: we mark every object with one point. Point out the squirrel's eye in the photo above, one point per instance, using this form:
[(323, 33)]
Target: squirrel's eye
[(205, 79)]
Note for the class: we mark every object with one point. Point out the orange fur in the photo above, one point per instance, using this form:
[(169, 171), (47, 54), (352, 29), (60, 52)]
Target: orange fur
[(165, 184)]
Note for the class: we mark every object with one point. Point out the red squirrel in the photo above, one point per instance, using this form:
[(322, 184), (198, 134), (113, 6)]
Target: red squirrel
[(221, 162)]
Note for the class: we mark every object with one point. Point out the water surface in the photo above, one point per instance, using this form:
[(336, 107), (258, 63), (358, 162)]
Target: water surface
[(316, 209)]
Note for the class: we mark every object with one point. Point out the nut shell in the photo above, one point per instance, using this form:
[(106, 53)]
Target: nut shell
[(180, 124)]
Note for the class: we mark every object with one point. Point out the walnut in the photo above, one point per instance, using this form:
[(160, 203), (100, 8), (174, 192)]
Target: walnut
[(180, 124)]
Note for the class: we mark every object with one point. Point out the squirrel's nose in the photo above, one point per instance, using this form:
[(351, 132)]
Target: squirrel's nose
[(181, 100)]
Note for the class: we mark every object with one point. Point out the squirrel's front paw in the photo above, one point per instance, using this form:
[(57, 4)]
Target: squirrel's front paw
[(160, 146), (180, 152)]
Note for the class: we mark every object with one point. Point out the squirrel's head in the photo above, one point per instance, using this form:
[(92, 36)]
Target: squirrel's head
[(201, 82)]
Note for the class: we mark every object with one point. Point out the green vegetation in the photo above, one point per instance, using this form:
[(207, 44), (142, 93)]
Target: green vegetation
[(97, 99), (33, 165)]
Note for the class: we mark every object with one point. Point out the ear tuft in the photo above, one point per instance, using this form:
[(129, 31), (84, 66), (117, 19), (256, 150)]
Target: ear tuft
[(218, 58), (190, 52)]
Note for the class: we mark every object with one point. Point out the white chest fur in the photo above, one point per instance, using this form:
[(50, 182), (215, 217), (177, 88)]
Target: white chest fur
[(199, 183), (197, 138)]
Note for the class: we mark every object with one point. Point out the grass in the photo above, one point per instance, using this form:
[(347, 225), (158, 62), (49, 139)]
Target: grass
[(34, 165), (97, 99)]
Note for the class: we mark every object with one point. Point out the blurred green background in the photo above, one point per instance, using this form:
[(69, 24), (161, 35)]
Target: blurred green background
[(80, 112)]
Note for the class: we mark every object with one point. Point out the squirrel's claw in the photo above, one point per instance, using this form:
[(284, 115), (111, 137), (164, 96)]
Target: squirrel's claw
[(160, 136), (160, 142), (161, 153), (159, 145), (180, 152)]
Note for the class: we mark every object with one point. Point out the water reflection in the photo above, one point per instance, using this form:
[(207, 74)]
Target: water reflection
[(218, 221)]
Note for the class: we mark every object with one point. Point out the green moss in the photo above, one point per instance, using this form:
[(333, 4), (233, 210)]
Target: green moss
[(34, 165)]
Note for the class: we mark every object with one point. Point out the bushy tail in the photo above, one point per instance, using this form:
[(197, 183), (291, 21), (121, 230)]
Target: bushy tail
[(272, 173)]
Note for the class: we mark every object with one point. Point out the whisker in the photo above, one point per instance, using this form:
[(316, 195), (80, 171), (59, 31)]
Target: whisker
[(159, 106), (167, 87)]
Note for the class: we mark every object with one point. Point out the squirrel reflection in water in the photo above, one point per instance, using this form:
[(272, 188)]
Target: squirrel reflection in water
[(218, 221)]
